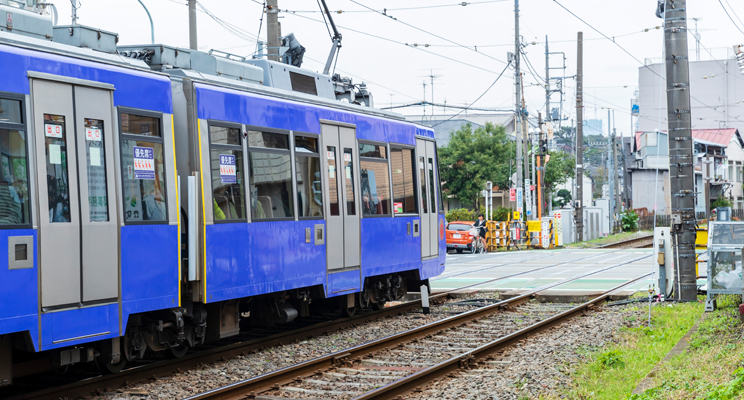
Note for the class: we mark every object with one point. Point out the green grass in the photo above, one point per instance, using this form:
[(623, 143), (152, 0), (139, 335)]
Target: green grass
[(614, 371), (608, 240), (712, 368)]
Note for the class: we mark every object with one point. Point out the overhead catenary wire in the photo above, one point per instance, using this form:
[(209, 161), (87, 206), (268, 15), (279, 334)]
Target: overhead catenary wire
[(384, 10), (427, 32), (479, 97), (399, 43), (631, 55), (729, 15)]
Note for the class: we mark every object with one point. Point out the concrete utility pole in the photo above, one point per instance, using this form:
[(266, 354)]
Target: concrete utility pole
[(517, 97), (611, 173), (273, 30), (193, 44), (579, 211), (681, 169), (615, 170), (547, 81), (526, 145)]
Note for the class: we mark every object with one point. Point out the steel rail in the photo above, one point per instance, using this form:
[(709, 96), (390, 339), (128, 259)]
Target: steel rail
[(470, 358), (628, 242), (165, 368), (274, 379)]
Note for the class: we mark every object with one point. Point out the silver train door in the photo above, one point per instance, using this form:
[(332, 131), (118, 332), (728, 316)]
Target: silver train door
[(427, 178), (340, 164), (78, 235)]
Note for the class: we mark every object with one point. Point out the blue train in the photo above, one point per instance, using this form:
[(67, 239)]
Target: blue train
[(155, 198)]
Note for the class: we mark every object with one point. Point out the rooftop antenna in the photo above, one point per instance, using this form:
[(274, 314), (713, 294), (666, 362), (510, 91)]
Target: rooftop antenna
[(424, 117), (75, 6), (336, 40), (696, 35), (431, 77)]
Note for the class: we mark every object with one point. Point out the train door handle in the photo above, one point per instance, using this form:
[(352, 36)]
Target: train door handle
[(416, 232), (408, 228), (319, 234)]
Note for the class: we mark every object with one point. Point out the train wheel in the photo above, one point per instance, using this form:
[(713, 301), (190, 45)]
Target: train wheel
[(109, 368), (178, 351), (348, 311)]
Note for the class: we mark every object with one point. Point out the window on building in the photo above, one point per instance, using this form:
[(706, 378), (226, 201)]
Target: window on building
[(309, 183), (375, 180), (403, 165), (270, 176), (142, 168), (226, 160), (14, 203)]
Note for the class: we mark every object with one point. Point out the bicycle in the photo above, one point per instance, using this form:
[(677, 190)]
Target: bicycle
[(477, 246)]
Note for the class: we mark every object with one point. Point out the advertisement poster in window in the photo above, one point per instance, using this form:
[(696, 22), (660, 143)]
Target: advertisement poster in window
[(144, 163), (227, 169), (97, 196), (398, 207)]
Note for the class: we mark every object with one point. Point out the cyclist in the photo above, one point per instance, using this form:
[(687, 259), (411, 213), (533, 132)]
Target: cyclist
[(481, 225)]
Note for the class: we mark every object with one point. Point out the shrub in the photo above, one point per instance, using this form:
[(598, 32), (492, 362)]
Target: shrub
[(501, 214), (629, 221), (460, 214)]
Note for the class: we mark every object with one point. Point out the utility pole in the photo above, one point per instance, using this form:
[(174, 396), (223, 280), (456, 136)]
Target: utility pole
[(517, 104), (273, 30), (526, 145), (615, 169), (579, 211), (542, 150), (547, 81), (193, 44), (611, 173), (681, 169)]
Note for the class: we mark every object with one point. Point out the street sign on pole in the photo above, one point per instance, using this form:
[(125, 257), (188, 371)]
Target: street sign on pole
[(519, 200)]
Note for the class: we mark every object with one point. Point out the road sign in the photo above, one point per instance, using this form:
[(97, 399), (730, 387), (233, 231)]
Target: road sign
[(512, 194), (516, 215), (519, 199)]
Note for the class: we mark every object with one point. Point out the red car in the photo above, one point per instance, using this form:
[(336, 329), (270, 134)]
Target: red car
[(458, 236)]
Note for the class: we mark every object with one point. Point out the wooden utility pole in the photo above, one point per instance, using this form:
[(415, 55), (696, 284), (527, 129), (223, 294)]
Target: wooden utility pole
[(681, 161), (273, 30), (579, 209), (193, 44)]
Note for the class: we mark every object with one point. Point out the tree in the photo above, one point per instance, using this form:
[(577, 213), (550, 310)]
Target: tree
[(560, 167), (473, 157), (562, 198)]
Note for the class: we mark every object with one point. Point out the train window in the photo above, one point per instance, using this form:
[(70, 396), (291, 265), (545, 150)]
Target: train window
[(224, 135), (432, 194), (55, 143), (332, 181), (268, 140), (375, 185), (96, 165), (348, 163), (270, 176), (372, 150), (132, 124), (403, 162), (10, 111), (439, 184), (306, 145), (228, 193), (422, 177), (309, 184), (143, 173)]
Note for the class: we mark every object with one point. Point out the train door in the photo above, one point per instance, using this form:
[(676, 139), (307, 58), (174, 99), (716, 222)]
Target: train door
[(426, 160), (340, 162), (78, 235)]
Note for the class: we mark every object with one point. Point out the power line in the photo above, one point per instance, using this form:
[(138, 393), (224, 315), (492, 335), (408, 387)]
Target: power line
[(479, 97), (734, 12), (729, 15), (632, 56), (427, 32), (384, 10), (399, 43)]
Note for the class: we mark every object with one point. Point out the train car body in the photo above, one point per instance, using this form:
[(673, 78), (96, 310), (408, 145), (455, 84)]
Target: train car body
[(153, 210)]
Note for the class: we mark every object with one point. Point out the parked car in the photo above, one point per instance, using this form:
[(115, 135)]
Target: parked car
[(458, 236)]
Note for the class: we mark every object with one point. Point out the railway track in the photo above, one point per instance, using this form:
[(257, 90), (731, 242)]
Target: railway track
[(155, 370), (635, 243), (405, 361)]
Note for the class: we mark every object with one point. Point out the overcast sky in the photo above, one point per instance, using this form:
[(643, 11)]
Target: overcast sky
[(395, 72)]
